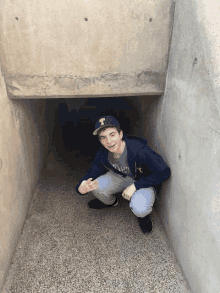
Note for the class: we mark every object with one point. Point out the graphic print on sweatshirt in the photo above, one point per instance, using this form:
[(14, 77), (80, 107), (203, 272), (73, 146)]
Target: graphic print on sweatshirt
[(120, 164)]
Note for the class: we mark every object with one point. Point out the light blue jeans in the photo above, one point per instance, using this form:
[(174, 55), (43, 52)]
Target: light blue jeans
[(110, 183)]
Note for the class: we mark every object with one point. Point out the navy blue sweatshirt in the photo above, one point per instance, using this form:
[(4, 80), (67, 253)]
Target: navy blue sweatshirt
[(147, 167)]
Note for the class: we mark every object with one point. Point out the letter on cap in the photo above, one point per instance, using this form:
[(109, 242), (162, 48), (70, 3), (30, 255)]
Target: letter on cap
[(102, 121)]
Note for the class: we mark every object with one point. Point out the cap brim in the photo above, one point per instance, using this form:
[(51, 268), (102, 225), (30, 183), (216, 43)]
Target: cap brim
[(96, 131)]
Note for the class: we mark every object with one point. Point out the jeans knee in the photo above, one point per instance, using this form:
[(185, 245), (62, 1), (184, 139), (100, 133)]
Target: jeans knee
[(99, 192), (103, 196), (142, 202), (140, 212)]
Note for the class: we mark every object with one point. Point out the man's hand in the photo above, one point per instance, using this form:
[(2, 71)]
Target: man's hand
[(88, 185), (129, 191)]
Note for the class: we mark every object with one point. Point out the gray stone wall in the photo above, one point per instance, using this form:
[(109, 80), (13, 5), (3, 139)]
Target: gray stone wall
[(23, 148), (184, 126)]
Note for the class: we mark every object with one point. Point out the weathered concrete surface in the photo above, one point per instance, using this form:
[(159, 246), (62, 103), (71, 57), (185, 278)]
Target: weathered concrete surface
[(23, 148), (185, 129), (89, 48), (66, 247), (145, 82)]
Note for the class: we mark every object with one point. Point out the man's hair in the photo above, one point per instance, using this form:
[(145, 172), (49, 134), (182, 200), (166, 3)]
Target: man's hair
[(106, 127)]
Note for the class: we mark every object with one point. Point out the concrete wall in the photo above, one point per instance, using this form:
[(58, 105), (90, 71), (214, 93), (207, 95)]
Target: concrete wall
[(84, 48), (54, 49), (23, 148), (184, 126)]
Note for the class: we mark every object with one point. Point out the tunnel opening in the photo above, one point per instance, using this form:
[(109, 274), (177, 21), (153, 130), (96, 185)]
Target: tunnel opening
[(55, 145), (75, 118), (59, 222), (71, 123)]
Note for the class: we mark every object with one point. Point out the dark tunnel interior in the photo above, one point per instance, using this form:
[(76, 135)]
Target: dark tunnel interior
[(75, 121)]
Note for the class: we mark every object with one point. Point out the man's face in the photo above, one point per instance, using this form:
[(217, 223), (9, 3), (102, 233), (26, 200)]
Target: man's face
[(111, 139)]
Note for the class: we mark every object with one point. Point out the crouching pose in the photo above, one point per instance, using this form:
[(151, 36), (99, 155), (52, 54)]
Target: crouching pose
[(124, 164)]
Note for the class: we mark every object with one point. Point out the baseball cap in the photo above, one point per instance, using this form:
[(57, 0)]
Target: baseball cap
[(105, 121)]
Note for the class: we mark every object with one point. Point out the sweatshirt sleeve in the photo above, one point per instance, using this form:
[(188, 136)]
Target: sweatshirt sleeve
[(96, 170), (155, 165)]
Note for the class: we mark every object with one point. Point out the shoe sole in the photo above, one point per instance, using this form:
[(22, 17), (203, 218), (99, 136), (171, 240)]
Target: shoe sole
[(104, 206)]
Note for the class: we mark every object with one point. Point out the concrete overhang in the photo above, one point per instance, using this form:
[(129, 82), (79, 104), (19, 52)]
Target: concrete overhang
[(85, 48)]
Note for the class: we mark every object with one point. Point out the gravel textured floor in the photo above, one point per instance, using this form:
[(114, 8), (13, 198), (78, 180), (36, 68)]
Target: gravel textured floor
[(66, 247)]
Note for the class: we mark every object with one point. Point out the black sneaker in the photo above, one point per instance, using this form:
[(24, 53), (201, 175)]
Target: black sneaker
[(145, 224), (96, 204)]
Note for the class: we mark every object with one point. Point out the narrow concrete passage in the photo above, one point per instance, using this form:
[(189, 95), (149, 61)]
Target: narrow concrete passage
[(66, 247)]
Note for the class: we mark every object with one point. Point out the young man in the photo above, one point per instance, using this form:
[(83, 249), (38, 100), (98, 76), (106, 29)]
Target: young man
[(124, 164)]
